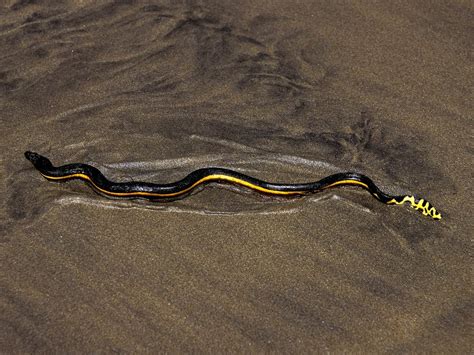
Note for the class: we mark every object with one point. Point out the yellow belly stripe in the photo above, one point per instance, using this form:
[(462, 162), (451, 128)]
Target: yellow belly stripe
[(172, 194), (422, 205), (347, 182)]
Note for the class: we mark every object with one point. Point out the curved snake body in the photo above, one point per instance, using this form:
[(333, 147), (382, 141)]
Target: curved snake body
[(185, 186)]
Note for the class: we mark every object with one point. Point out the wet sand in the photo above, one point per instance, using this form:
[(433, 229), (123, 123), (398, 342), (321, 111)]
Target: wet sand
[(283, 91)]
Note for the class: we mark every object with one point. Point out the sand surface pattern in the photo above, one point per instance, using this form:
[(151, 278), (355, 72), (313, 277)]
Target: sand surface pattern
[(285, 91)]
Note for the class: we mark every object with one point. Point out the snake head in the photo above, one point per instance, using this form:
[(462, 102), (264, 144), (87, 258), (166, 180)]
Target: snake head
[(38, 160)]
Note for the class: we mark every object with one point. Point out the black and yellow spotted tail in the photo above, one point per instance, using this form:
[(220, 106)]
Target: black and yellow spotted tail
[(421, 205)]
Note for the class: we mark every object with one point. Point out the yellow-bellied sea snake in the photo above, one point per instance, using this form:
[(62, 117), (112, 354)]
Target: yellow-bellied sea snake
[(183, 187)]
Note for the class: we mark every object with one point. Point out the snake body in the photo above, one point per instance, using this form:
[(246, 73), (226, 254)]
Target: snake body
[(185, 186)]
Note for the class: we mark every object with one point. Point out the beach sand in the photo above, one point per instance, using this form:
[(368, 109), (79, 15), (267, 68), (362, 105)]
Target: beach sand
[(287, 91)]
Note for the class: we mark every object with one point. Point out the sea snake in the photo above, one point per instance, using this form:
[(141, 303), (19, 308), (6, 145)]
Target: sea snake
[(185, 186)]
